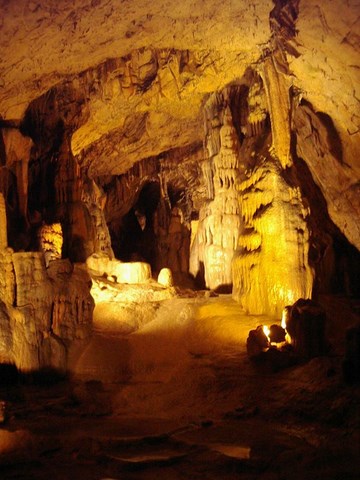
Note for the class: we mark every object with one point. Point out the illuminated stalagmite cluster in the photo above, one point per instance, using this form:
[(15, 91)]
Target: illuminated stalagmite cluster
[(219, 219)]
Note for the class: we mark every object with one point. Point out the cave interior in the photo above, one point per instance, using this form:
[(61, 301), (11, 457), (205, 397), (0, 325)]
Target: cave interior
[(174, 178)]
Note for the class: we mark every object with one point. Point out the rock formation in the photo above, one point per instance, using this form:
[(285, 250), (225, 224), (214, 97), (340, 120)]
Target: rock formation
[(271, 268), (43, 311), (219, 224)]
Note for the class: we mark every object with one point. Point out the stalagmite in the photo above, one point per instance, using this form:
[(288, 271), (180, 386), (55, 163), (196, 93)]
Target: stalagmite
[(7, 276), (95, 200), (257, 104), (165, 277), (271, 267), (131, 272), (306, 327), (219, 225), (45, 310), (123, 272), (51, 241)]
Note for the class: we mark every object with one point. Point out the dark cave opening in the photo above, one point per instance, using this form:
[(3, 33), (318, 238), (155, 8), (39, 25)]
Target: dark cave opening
[(137, 239)]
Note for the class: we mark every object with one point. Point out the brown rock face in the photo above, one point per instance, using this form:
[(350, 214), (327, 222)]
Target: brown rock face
[(216, 138), (48, 310)]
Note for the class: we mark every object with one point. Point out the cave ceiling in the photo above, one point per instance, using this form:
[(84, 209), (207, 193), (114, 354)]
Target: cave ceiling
[(132, 76)]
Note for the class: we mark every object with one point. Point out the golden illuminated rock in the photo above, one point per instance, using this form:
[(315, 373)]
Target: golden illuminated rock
[(99, 264), (271, 268), (165, 277), (51, 310), (277, 91), (122, 272), (131, 272), (51, 241)]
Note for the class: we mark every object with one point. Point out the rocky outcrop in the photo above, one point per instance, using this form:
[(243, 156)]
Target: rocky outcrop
[(119, 272), (17, 153), (44, 310), (51, 309), (3, 223), (319, 144)]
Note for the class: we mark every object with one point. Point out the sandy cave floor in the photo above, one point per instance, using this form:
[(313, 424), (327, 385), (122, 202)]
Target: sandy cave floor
[(179, 399)]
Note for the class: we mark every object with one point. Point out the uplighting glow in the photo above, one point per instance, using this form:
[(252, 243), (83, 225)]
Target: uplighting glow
[(266, 330)]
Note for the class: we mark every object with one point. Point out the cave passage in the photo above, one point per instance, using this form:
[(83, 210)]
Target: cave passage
[(137, 238)]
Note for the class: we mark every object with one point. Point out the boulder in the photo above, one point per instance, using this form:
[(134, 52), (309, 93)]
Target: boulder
[(165, 277), (306, 327)]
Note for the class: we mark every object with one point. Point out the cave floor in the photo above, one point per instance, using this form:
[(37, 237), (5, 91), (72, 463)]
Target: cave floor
[(179, 399)]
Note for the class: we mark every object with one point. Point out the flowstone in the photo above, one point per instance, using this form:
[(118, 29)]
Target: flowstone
[(271, 266)]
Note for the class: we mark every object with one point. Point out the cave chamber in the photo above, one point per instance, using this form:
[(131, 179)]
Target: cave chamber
[(173, 177)]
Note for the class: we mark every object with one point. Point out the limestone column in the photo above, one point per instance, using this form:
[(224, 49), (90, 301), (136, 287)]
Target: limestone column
[(219, 223)]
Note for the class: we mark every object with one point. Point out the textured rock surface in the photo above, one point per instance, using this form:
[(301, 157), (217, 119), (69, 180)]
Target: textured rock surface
[(327, 68), (271, 268), (318, 144), (121, 272), (219, 225), (165, 277), (43, 311)]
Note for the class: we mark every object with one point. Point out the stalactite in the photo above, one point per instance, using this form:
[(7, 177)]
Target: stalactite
[(51, 241), (17, 151), (208, 173), (257, 107), (277, 92), (68, 182)]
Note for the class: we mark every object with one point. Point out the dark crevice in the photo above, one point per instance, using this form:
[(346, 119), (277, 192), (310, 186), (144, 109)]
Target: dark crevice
[(135, 240), (333, 137)]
